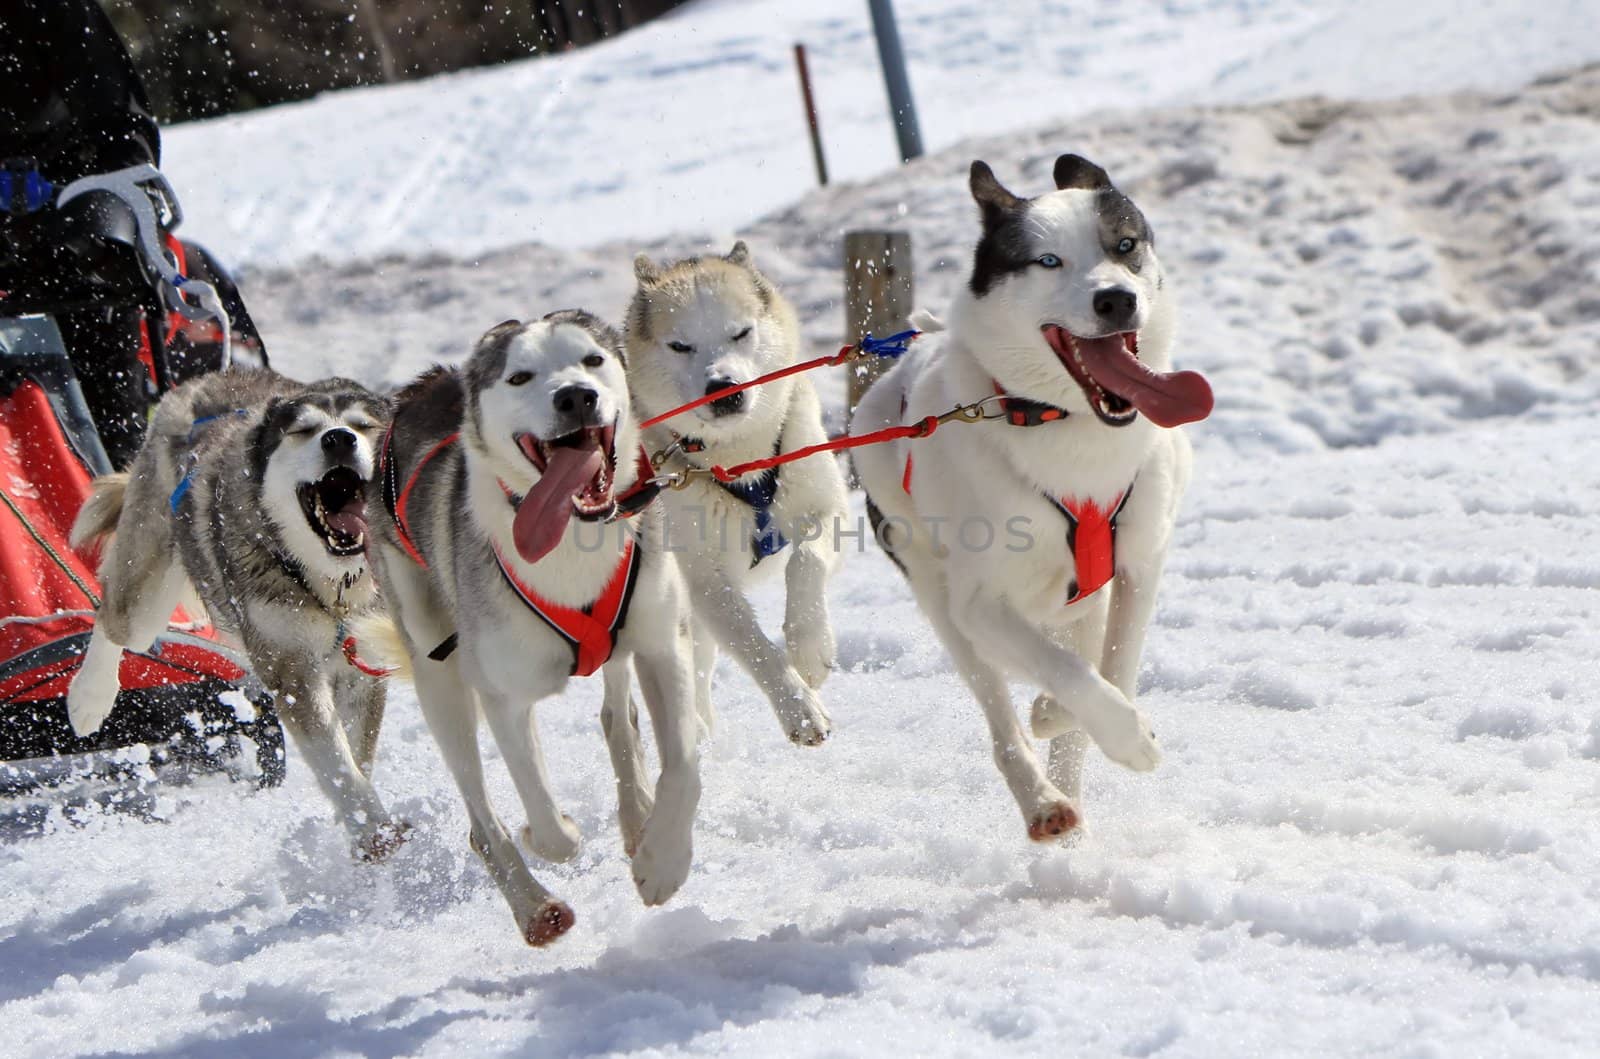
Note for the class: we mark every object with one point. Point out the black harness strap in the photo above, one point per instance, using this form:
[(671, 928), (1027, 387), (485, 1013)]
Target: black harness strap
[(758, 496)]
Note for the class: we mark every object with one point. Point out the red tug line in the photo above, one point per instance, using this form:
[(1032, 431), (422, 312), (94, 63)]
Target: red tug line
[(893, 346)]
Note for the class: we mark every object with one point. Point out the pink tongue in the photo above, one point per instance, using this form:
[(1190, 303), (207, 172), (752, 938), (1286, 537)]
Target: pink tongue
[(1169, 399), (542, 516), (350, 520)]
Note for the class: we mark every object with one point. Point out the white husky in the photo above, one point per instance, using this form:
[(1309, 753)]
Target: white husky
[(699, 326), (1057, 513), (504, 580)]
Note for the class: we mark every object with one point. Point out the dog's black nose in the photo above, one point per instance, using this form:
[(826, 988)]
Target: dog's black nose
[(1115, 305), (728, 405), (339, 442), (575, 400)]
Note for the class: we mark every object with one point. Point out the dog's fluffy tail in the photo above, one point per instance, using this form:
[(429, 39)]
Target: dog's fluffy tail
[(97, 519), (380, 644), (924, 320)]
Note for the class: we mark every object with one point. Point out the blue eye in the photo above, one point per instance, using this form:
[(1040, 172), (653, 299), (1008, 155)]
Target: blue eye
[(1126, 245), (1050, 261)]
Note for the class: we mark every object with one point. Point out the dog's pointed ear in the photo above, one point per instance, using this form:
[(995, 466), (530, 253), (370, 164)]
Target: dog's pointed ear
[(1076, 171), (739, 255), (990, 195), (498, 334), (275, 407), (645, 270)]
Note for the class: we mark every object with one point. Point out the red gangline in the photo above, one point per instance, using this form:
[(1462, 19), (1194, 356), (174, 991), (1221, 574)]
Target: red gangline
[(920, 429), (717, 395)]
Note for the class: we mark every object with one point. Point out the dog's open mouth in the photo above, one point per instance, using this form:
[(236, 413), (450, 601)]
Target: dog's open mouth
[(1119, 385), (335, 507), (577, 473)]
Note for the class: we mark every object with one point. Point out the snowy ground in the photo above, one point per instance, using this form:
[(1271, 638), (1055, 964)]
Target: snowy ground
[(1374, 829), (693, 123)]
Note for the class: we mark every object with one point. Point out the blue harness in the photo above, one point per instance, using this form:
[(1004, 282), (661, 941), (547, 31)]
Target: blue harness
[(24, 191), (758, 496), (187, 481)]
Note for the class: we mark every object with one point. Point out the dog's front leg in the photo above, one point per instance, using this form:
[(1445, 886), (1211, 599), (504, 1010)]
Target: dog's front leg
[(667, 846), (313, 721), (723, 607), (806, 628), (705, 664), (361, 703), (1133, 601), (1047, 813), (1117, 727), (449, 707), (1069, 743), (619, 719), (550, 833)]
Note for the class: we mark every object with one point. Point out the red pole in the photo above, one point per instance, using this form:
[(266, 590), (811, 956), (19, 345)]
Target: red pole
[(811, 114)]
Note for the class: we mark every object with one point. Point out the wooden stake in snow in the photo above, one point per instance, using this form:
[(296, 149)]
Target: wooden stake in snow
[(878, 296), (811, 113)]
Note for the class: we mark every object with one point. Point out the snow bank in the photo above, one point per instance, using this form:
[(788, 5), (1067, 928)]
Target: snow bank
[(694, 124), (1347, 271)]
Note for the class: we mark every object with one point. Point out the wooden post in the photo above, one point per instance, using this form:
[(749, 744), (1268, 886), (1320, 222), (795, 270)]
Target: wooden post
[(878, 295), (811, 113)]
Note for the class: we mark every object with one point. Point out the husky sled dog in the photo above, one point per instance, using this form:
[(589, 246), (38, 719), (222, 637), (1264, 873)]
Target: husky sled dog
[(250, 489), (1065, 325), (504, 578), (695, 327)]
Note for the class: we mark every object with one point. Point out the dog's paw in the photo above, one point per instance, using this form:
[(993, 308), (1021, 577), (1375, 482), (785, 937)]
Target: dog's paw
[(1124, 736), (632, 819), (804, 720), (551, 920), (557, 844), (1052, 821), (705, 718), (661, 865), (90, 701), (813, 654), (1050, 719), (384, 840)]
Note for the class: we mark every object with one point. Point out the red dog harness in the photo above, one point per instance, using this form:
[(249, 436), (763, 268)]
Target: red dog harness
[(1092, 540), (396, 498), (1091, 530), (590, 631)]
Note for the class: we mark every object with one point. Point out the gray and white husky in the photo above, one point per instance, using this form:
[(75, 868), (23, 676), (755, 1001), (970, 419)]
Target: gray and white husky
[(701, 325), (1059, 510), (505, 578), (250, 490)]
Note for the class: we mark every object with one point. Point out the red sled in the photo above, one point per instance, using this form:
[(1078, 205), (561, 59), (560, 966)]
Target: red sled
[(189, 703)]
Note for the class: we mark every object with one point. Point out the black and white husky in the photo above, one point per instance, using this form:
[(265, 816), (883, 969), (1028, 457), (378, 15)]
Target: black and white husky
[(1058, 512), (505, 578), (250, 490), (695, 327)]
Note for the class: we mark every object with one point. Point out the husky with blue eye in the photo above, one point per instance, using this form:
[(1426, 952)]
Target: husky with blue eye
[(1061, 503)]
